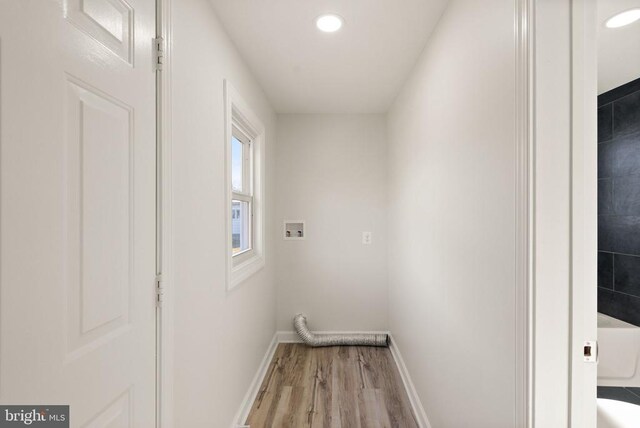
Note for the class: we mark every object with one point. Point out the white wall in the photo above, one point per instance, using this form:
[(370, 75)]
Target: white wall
[(332, 174), (220, 337), (451, 218)]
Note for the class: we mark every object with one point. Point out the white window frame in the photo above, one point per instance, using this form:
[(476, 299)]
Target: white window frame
[(240, 121)]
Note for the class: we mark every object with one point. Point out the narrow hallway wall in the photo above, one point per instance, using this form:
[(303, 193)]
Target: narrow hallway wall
[(332, 174), (452, 218), (220, 336)]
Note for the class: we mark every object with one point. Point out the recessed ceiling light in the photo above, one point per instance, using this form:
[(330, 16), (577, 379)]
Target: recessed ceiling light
[(329, 23), (624, 18)]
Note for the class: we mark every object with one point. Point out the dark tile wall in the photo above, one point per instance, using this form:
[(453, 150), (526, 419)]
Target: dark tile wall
[(619, 202)]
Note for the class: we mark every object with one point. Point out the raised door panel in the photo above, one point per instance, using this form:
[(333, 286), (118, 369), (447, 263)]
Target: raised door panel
[(110, 22), (100, 173)]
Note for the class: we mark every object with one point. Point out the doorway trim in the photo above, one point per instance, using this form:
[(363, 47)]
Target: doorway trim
[(524, 226), (584, 210), (164, 246)]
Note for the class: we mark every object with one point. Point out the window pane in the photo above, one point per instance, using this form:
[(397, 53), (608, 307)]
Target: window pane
[(240, 234), (236, 164)]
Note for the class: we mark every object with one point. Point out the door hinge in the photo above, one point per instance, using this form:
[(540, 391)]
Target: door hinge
[(590, 351), (158, 53), (159, 290)]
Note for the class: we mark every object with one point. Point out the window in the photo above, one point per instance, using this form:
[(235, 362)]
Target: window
[(242, 192), (244, 140)]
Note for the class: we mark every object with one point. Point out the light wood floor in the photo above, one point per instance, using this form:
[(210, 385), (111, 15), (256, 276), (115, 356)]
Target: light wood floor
[(342, 386)]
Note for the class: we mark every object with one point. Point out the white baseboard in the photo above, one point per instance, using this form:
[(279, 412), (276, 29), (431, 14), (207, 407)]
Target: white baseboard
[(284, 336), (289, 336), (254, 388), (418, 409)]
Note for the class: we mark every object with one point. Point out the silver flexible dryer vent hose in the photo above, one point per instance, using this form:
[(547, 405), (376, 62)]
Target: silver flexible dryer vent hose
[(315, 340)]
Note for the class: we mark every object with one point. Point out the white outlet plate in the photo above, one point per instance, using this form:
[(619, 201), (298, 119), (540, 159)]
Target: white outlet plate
[(366, 238)]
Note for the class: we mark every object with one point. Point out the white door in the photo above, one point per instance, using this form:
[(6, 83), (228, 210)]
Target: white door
[(77, 208)]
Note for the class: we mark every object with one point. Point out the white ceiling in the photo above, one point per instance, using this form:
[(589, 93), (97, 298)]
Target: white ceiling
[(618, 48), (358, 69)]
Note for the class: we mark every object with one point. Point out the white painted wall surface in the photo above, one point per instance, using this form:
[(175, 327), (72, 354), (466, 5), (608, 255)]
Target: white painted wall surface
[(452, 218), (332, 174), (220, 337)]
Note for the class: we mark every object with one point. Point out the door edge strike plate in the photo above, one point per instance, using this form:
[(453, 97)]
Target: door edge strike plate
[(590, 351)]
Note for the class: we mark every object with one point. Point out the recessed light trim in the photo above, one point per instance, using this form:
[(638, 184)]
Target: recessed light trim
[(624, 18), (329, 23)]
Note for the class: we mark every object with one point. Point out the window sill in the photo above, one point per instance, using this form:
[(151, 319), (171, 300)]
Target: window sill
[(243, 271)]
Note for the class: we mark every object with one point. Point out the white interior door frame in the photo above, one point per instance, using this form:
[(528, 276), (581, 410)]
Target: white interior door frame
[(584, 209), (524, 118), (164, 253)]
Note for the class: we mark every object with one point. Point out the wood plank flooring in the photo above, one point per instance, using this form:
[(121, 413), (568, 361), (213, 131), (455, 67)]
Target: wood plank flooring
[(337, 387)]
